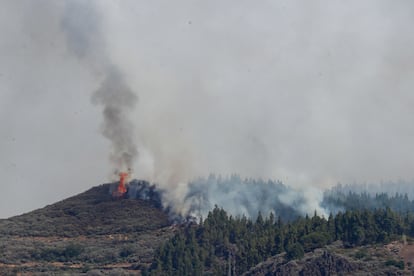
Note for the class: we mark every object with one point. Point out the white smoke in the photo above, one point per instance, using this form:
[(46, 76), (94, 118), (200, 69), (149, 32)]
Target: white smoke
[(308, 93), (239, 105), (248, 197)]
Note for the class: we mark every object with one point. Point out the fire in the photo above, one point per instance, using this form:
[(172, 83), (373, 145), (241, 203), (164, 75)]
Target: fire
[(121, 189), (122, 179)]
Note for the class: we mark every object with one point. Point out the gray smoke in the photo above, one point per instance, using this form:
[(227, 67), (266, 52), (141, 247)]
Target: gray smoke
[(81, 25), (118, 100), (309, 93), (238, 110)]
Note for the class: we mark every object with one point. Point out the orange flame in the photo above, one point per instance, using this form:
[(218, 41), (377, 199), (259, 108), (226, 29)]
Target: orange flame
[(121, 190)]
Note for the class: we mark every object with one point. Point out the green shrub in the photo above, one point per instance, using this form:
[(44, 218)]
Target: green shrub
[(68, 253), (126, 251), (314, 240), (72, 250), (362, 253), (295, 251), (399, 264)]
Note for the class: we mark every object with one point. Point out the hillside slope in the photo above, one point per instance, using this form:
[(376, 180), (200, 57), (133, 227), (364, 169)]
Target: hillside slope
[(92, 212), (334, 259), (88, 231)]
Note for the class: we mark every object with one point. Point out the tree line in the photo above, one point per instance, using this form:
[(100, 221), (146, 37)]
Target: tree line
[(336, 199), (223, 244)]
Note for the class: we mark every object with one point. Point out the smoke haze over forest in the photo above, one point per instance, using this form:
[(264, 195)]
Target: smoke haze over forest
[(310, 94)]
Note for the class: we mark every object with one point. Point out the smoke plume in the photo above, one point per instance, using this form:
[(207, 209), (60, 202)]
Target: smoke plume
[(81, 25), (310, 94), (227, 113), (118, 100)]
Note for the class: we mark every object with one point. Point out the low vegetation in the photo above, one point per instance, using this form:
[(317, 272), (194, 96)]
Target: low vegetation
[(83, 233)]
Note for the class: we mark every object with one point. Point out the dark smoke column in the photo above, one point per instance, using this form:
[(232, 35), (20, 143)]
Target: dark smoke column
[(118, 101), (81, 24)]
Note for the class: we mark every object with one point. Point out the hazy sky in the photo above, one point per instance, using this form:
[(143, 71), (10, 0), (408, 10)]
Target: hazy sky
[(308, 92)]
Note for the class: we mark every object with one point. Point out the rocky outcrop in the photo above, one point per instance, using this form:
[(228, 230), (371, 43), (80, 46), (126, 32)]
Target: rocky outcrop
[(328, 264)]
